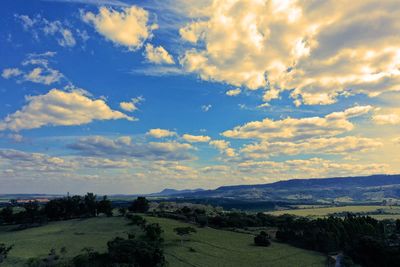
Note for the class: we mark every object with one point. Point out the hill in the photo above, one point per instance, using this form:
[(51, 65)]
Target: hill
[(375, 188)]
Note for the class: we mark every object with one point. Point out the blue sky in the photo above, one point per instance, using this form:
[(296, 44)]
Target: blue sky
[(136, 96)]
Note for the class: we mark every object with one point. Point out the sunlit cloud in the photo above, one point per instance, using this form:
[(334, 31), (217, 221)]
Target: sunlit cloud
[(129, 27), (58, 108)]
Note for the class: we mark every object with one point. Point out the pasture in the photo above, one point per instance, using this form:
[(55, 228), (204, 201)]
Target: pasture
[(207, 247), (378, 212)]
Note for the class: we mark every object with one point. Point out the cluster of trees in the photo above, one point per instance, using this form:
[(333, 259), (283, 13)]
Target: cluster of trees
[(57, 209), (225, 219), (139, 205), (77, 207), (365, 240)]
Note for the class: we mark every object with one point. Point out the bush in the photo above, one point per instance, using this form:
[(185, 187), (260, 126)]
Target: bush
[(4, 250), (262, 239), (137, 220)]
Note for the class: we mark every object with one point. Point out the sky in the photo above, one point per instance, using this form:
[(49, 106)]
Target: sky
[(125, 96)]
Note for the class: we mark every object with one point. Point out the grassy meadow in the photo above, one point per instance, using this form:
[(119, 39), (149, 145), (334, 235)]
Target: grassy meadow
[(387, 212), (207, 247)]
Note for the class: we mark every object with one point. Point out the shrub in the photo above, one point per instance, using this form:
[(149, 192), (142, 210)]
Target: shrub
[(262, 239)]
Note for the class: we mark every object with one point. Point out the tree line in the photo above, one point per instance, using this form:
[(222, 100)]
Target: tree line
[(57, 209)]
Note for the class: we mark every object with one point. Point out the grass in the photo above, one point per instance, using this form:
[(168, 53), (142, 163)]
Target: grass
[(393, 212), (207, 247), (74, 235)]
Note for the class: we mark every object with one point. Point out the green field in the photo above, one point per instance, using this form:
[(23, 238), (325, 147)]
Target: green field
[(212, 247), (388, 212)]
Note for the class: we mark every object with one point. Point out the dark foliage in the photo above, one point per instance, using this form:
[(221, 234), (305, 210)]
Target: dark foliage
[(140, 205), (153, 232), (137, 220), (57, 209), (135, 253), (262, 239), (4, 250)]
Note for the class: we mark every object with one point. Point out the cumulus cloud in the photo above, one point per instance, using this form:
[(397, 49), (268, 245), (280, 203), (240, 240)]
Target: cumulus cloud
[(332, 145), (233, 92), (160, 133), (299, 129), (129, 27), (132, 105), (21, 161), (295, 45), (158, 55), (196, 138), (60, 108), (35, 161), (314, 167), (223, 147), (123, 146), (388, 116)]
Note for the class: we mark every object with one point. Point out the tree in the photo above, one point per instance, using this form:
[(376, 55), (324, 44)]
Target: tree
[(4, 250), (32, 210), (141, 204), (184, 231), (262, 239), (105, 206), (90, 204), (6, 214), (153, 232)]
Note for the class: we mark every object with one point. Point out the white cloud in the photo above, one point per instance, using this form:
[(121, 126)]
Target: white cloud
[(223, 147), (157, 71), (123, 147), (40, 73), (388, 116), (314, 167), (233, 92), (206, 108), (132, 105), (298, 129), (333, 145), (158, 55), (130, 27), (196, 138), (11, 72), (45, 76), (160, 133), (295, 45), (64, 34), (60, 108), (387, 119)]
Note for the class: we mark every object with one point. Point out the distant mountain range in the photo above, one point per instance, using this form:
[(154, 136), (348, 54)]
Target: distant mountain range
[(373, 188), (173, 192)]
